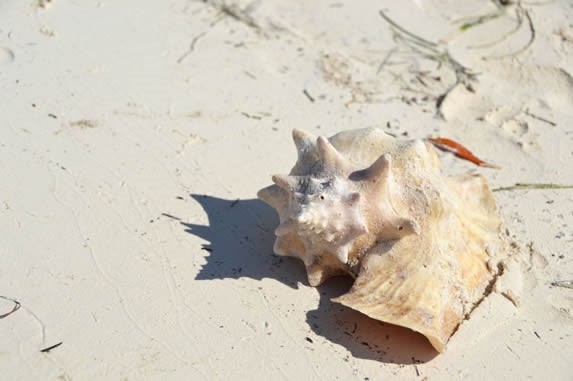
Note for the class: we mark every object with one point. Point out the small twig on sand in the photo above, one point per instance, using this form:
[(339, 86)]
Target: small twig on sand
[(532, 186), (46, 350), (540, 118), (16, 307), (563, 283), (251, 116), (191, 46), (310, 97)]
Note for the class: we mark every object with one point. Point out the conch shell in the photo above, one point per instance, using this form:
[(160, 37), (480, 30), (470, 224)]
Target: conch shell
[(424, 248)]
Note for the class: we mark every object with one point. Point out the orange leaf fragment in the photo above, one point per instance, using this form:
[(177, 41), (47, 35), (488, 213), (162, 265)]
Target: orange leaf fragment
[(460, 151)]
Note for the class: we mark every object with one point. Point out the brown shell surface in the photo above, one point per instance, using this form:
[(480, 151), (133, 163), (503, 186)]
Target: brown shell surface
[(424, 247)]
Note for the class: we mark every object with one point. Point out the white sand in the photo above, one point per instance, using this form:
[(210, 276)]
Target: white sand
[(116, 118)]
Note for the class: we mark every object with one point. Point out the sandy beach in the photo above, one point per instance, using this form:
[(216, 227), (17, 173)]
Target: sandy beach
[(134, 138)]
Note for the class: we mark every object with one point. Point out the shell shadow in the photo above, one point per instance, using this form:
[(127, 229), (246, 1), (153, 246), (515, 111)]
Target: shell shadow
[(240, 236), (363, 336), (241, 242)]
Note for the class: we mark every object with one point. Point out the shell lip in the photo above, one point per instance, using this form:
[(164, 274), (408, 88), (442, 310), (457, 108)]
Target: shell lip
[(437, 343)]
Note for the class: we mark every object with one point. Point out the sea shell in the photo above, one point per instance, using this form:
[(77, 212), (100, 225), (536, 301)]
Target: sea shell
[(424, 248)]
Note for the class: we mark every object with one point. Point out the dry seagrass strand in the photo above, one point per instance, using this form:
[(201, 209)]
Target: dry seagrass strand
[(422, 246)]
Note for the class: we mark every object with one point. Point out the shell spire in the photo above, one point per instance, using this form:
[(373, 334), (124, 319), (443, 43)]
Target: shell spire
[(331, 158), (419, 244), (379, 170), (302, 140), (288, 183)]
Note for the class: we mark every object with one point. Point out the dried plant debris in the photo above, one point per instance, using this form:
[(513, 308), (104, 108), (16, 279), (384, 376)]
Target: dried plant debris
[(48, 349), (226, 9), (432, 51), (519, 186), (422, 82), (460, 151), (84, 123), (235, 11), (470, 22), (192, 45), (351, 74), (15, 308), (563, 283), (503, 9), (479, 20)]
